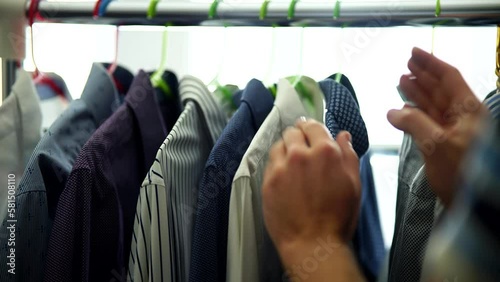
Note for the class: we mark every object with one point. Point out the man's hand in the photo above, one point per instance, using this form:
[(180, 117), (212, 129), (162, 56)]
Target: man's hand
[(311, 194), (445, 121)]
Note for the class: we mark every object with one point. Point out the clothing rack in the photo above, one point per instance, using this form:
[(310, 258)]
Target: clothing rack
[(348, 13), (351, 13)]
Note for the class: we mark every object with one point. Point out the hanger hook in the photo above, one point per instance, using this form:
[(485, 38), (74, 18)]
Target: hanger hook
[(95, 12), (152, 8), (103, 7), (437, 13), (32, 13), (263, 10), (336, 10), (212, 12), (291, 9)]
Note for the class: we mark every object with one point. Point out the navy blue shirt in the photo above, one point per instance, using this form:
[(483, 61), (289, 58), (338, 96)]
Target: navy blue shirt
[(91, 234), (208, 259), (368, 241), (47, 172)]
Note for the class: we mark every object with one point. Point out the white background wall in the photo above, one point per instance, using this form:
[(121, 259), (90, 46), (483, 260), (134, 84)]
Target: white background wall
[(373, 59)]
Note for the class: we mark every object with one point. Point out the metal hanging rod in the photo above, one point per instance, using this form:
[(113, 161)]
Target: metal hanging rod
[(235, 13)]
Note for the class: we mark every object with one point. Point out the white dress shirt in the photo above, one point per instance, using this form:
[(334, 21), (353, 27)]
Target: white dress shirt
[(249, 257), (20, 131)]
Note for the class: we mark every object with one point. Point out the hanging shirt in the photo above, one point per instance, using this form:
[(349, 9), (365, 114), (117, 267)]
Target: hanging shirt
[(466, 245), (161, 245), (20, 131), (251, 253), (246, 253), (368, 241), (54, 98), (92, 230), (418, 210), (48, 170), (208, 260)]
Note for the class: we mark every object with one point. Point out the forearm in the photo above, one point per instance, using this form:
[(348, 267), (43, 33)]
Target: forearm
[(322, 260)]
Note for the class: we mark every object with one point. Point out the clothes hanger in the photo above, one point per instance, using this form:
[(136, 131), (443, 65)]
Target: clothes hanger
[(296, 81), (38, 76), (152, 8), (262, 16), (100, 8), (157, 76), (223, 92)]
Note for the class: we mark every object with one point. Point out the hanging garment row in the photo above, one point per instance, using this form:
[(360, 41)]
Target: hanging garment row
[(139, 182)]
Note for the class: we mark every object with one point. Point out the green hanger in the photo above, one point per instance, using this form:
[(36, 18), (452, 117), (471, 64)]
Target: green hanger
[(291, 9), (336, 10), (224, 93), (271, 88), (212, 12), (263, 10), (157, 76), (152, 8)]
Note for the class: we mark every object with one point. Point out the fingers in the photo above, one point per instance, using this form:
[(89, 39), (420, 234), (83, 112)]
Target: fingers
[(348, 154), (294, 137), (416, 123), (430, 64), (429, 81), (415, 93), (314, 131)]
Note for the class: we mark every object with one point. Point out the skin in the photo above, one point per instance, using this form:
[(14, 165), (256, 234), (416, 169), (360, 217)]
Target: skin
[(302, 209), (444, 123)]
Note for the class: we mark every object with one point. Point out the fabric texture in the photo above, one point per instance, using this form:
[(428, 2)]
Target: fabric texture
[(251, 254), (466, 245), (208, 259), (92, 230), (368, 241), (418, 210), (166, 209), (415, 207), (20, 131), (48, 169)]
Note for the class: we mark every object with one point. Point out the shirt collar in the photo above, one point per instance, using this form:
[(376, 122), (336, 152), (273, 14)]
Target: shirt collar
[(21, 113), (191, 88), (290, 106), (141, 99), (259, 100), (100, 94)]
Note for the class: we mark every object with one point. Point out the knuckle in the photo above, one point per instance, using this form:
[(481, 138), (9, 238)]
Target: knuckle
[(406, 116), (328, 148), (297, 155)]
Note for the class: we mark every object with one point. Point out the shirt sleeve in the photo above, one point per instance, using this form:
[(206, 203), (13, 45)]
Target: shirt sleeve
[(150, 250), (242, 256)]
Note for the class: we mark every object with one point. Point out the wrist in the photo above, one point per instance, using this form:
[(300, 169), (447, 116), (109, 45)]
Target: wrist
[(322, 259), (301, 251)]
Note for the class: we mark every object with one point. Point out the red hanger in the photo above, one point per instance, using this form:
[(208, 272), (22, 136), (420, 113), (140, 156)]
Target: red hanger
[(38, 77)]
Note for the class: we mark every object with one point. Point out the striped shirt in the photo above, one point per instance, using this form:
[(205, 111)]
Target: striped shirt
[(161, 243)]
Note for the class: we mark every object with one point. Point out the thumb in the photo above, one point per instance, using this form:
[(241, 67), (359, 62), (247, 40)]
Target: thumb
[(416, 123)]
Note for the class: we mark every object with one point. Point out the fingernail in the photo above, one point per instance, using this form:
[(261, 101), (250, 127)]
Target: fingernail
[(302, 118)]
